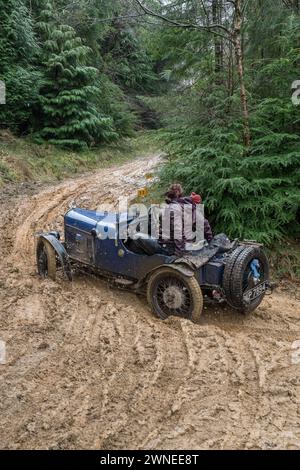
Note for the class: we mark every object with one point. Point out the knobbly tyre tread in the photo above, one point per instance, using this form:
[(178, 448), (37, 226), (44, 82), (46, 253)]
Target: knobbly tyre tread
[(192, 284), (229, 269), (234, 277), (237, 278)]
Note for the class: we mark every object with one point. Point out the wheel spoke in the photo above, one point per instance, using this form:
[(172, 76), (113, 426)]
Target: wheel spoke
[(173, 297)]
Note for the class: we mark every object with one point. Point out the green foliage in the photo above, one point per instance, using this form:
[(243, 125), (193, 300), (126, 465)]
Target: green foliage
[(6, 174), (18, 47), (285, 259), (248, 193), (68, 94), (125, 61), (22, 159), (18, 42), (255, 195), (22, 85), (130, 69), (79, 73), (114, 103), (72, 71)]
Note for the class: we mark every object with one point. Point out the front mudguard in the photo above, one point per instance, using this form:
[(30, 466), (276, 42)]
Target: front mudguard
[(59, 250)]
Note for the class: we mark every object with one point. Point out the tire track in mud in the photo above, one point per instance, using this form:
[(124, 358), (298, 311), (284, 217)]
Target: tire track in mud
[(90, 367)]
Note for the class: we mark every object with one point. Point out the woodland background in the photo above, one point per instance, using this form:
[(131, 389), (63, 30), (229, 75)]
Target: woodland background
[(211, 79)]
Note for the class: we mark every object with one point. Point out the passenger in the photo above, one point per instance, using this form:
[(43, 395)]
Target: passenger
[(208, 233), (196, 198), (176, 205)]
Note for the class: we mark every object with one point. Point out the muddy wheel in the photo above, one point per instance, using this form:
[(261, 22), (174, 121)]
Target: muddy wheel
[(170, 293), (228, 273), (46, 260), (247, 268)]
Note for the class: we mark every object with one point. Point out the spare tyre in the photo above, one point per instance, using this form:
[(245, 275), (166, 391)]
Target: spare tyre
[(246, 278)]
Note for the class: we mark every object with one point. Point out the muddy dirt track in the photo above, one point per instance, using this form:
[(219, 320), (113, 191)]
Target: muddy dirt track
[(90, 367)]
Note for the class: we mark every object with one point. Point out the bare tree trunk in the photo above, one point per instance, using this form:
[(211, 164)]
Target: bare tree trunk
[(219, 46), (230, 85), (237, 37)]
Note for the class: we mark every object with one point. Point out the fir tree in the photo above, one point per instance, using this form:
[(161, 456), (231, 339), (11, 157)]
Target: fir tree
[(18, 48), (68, 96)]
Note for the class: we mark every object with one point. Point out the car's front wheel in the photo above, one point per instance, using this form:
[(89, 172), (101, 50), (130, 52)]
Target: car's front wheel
[(46, 260), (171, 293)]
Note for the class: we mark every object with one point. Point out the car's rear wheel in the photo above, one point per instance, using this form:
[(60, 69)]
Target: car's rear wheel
[(46, 260), (171, 293), (246, 272)]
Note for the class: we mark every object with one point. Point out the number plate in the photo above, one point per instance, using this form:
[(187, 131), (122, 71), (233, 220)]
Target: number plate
[(256, 292)]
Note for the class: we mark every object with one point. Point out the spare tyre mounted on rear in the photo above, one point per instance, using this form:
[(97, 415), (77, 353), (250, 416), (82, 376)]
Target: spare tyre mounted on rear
[(246, 276)]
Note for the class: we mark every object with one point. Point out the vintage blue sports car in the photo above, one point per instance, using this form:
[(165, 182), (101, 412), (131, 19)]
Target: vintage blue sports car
[(223, 271)]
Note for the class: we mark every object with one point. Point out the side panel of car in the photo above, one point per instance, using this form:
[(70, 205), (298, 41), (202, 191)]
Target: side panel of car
[(91, 238), (114, 257)]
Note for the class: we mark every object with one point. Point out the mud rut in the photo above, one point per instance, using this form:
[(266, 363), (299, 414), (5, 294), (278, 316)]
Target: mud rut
[(90, 367)]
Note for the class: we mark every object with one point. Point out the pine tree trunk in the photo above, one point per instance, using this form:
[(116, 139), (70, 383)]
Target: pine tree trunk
[(230, 83), (219, 47), (237, 37)]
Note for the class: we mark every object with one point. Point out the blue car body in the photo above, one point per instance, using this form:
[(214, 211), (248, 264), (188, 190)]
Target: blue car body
[(235, 272), (111, 256)]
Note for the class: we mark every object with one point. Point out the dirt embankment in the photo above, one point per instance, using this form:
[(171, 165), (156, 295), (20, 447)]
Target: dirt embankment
[(90, 367)]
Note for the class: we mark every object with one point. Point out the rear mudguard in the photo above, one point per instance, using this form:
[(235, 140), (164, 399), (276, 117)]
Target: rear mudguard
[(182, 268), (60, 251)]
